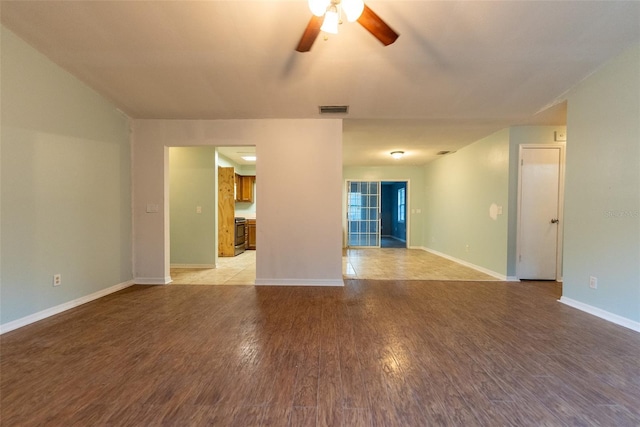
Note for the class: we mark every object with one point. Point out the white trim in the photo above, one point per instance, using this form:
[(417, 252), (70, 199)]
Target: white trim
[(603, 314), (298, 282), (152, 280), (468, 264), (193, 266), (32, 318)]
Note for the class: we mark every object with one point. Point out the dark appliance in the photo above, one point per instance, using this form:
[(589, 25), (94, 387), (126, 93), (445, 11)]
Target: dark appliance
[(239, 239)]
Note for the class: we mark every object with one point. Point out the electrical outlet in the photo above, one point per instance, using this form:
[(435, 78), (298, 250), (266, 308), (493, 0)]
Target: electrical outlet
[(57, 279), (593, 282)]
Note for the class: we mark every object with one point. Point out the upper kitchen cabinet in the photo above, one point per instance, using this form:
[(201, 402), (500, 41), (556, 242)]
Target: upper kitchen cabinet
[(244, 188)]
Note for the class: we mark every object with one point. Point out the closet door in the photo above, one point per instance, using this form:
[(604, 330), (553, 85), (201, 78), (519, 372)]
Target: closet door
[(363, 213), (539, 201)]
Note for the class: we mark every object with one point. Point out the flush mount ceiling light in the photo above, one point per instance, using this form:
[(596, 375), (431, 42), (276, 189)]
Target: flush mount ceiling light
[(397, 154), (327, 15), (249, 158)]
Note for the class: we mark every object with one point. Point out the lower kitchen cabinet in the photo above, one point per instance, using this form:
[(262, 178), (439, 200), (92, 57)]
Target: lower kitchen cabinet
[(251, 231)]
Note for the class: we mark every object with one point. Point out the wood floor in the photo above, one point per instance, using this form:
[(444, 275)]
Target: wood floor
[(383, 353)]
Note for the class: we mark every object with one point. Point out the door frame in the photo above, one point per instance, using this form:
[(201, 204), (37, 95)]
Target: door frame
[(345, 207), (406, 207), (560, 238)]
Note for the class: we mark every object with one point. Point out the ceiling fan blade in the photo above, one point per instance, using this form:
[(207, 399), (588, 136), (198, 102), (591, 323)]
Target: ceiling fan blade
[(310, 34), (376, 26)]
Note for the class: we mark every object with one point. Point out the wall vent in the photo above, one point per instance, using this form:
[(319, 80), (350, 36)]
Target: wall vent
[(334, 109)]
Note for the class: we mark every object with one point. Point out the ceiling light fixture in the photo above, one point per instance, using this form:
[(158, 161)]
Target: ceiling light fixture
[(332, 11), (249, 158), (397, 154), (331, 20)]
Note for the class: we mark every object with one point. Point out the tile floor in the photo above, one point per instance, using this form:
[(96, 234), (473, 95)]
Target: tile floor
[(376, 264), (404, 264)]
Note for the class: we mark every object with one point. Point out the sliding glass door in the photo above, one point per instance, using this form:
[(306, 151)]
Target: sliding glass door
[(363, 213)]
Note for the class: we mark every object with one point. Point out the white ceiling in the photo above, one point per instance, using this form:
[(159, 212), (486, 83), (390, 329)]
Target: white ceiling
[(459, 71), (237, 153)]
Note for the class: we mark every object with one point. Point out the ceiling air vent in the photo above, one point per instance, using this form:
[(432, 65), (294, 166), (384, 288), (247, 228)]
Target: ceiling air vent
[(334, 109), (442, 153)]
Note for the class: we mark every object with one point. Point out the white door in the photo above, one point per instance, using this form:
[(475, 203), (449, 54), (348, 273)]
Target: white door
[(539, 212)]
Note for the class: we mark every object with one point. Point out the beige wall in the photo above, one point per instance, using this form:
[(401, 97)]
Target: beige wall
[(300, 180)]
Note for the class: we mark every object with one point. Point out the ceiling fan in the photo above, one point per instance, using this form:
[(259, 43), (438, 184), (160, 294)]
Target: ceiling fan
[(326, 17)]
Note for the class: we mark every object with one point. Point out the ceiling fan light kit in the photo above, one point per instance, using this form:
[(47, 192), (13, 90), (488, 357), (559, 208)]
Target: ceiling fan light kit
[(331, 21), (327, 16), (351, 8), (319, 7)]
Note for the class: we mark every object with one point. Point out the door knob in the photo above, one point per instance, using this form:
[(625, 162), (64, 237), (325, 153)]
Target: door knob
[(555, 221)]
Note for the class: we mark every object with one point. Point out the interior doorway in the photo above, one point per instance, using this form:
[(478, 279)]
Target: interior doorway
[(195, 219), (377, 214), (393, 214)]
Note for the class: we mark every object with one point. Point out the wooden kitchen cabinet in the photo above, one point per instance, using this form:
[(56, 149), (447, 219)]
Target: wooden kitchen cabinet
[(244, 188), (251, 232)]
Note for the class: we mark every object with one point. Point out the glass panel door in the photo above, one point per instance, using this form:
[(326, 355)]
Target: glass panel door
[(363, 213)]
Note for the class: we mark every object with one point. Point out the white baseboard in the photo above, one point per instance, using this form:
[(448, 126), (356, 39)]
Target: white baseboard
[(193, 266), (298, 282), (18, 323), (468, 264), (152, 280), (603, 314)]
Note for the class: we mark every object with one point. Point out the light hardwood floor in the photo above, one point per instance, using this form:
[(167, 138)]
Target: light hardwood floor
[(374, 353)]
